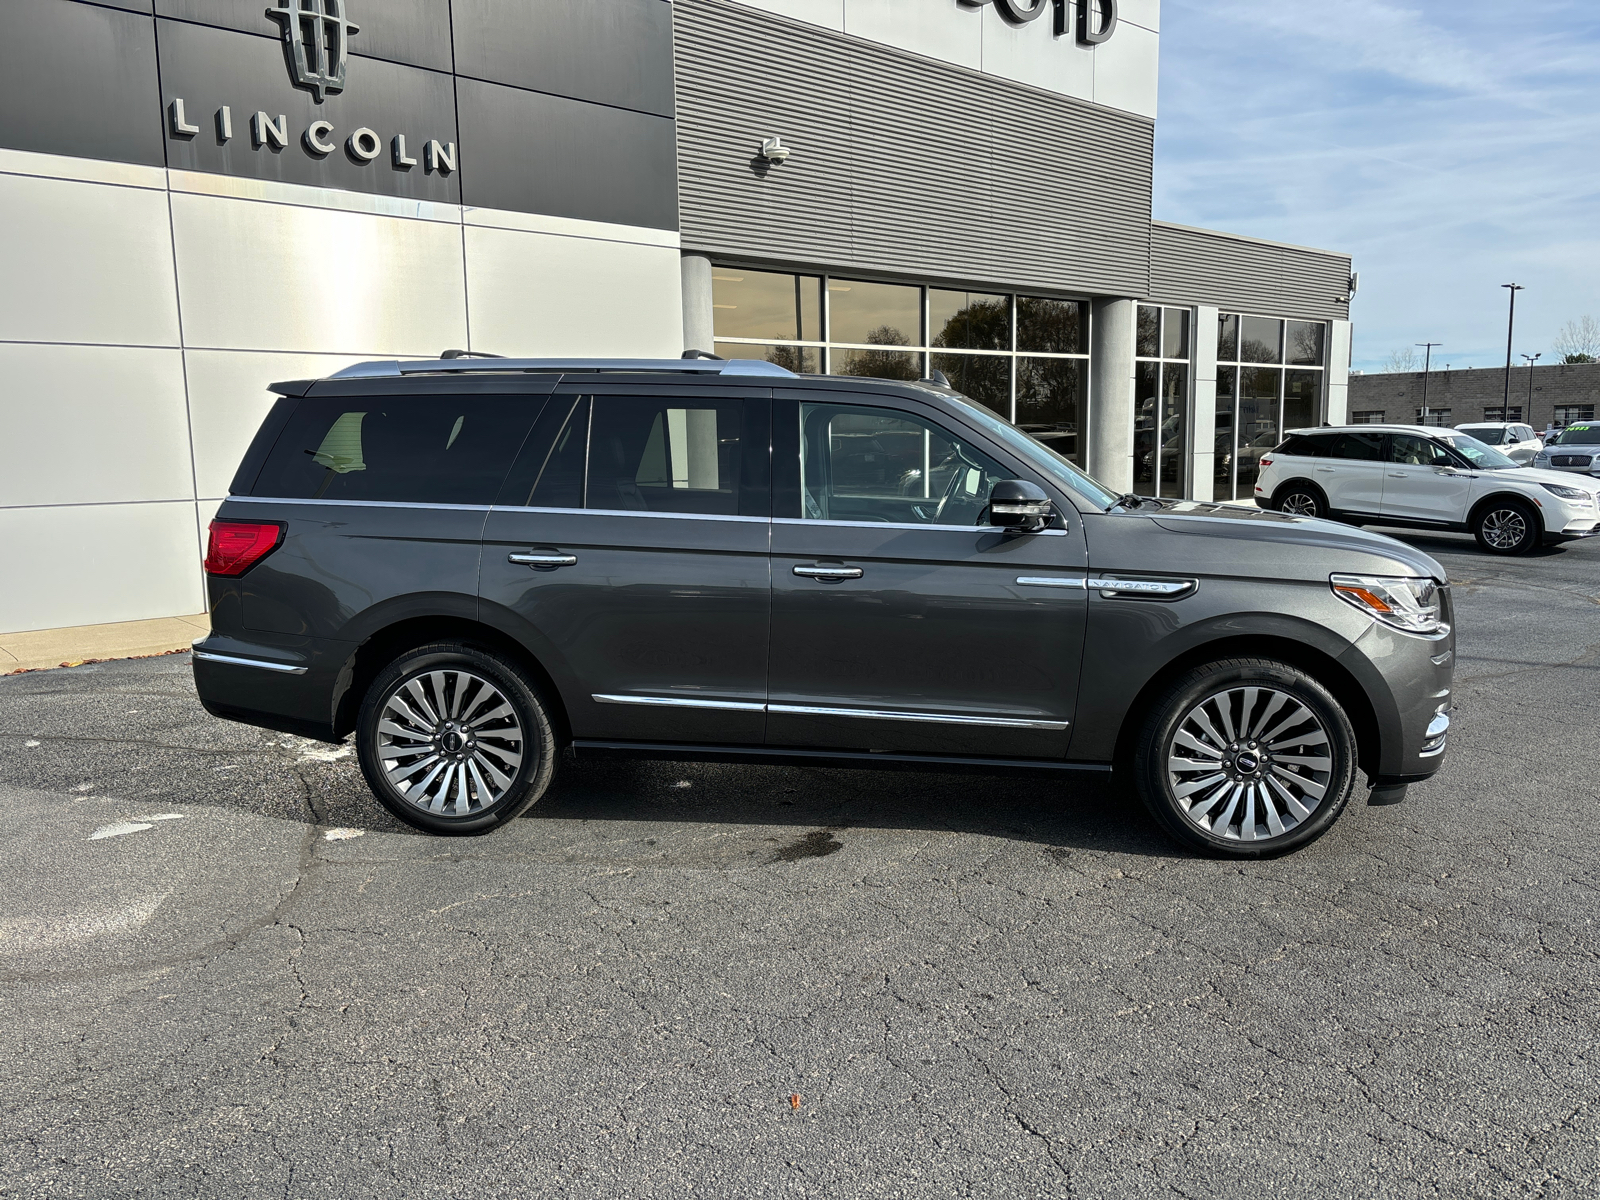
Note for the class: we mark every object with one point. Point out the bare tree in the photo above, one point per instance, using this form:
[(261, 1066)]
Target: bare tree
[(1403, 362), (1578, 341)]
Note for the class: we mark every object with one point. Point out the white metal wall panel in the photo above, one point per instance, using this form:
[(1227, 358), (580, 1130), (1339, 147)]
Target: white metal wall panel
[(1237, 274), (91, 424), (901, 164), (85, 262)]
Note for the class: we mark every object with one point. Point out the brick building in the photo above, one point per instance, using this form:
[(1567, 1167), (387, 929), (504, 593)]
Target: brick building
[(1561, 393)]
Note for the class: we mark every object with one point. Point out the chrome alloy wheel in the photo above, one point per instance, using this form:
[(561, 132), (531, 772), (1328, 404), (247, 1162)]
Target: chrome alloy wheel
[(1504, 528), (449, 742), (1249, 763), (1299, 504)]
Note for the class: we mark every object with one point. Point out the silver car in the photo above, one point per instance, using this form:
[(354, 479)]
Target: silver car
[(1576, 448)]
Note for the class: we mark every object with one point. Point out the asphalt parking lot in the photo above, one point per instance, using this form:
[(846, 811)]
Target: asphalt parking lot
[(227, 973)]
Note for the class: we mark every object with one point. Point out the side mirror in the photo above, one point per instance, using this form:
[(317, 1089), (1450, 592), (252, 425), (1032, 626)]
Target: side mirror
[(1020, 505)]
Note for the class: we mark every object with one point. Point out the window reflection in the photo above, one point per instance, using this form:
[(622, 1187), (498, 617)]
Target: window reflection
[(1049, 403), (1175, 333), (1306, 343), (1147, 337), (802, 360), (1258, 423), (1227, 383), (879, 314), (969, 321), (1261, 340), (1301, 392), (1228, 337), (878, 364), (1052, 326), (761, 304), (1146, 401), (984, 377), (1174, 429)]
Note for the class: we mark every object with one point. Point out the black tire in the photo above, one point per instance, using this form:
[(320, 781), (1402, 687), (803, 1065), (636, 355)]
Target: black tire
[(1211, 816), (434, 750), (1301, 499), (1507, 526)]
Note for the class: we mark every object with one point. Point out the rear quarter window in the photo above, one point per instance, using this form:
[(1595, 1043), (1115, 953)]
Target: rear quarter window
[(1306, 446), (419, 449)]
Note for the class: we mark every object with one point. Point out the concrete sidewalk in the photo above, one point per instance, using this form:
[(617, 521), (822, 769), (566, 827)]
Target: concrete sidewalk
[(41, 648)]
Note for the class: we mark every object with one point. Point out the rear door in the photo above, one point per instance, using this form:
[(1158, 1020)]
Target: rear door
[(628, 550), (1352, 475), (1420, 483), (901, 620)]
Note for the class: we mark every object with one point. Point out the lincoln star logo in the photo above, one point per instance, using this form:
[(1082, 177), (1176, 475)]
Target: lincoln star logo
[(316, 40)]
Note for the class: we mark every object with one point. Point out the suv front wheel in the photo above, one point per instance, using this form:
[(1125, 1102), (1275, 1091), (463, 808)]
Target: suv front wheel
[(1247, 758), (1507, 527), (454, 740)]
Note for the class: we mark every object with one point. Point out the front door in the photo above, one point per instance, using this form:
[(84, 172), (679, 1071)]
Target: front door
[(901, 621), (1417, 485), (628, 550)]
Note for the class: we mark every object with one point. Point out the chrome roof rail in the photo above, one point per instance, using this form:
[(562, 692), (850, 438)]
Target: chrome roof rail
[(391, 368)]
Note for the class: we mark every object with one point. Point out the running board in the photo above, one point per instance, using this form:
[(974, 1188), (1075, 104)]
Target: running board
[(783, 756)]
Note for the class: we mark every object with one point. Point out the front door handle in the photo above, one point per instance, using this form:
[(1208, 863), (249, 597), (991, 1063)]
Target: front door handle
[(542, 560), (828, 572), (1399, 474), (1326, 470)]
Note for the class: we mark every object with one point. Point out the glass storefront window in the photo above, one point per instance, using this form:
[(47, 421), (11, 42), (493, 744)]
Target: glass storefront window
[(1258, 423), (1307, 343), (1161, 402), (1228, 337), (1052, 326), (1174, 430), (802, 360), (1302, 396), (1050, 402), (762, 304), (877, 314), (969, 321), (1147, 334), (1175, 333), (1261, 340), (1227, 387), (878, 364), (1146, 398), (984, 377)]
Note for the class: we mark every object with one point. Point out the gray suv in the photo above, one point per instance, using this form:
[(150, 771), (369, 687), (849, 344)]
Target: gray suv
[(479, 565)]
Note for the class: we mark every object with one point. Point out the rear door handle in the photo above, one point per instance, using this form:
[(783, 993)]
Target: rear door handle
[(828, 572), (542, 560), (1326, 470)]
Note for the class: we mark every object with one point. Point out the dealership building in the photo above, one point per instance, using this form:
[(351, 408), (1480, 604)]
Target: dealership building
[(203, 196)]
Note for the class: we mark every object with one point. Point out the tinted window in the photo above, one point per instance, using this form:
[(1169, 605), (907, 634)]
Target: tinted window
[(1312, 446), (1487, 434), (876, 464), (421, 449), (665, 454), (1365, 447)]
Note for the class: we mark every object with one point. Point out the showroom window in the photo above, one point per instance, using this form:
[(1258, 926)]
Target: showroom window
[(1269, 380), (1513, 413), (1162, 348), (1567, 413), (1368, 416), (1026, 357), (1439, 417)]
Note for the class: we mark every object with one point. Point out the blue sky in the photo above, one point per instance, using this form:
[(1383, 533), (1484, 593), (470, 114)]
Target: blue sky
[(1449, 146)]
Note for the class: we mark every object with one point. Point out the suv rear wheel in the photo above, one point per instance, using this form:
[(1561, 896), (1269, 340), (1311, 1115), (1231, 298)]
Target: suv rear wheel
[(454, 739), (1507, 526), (1247, 758), (1301, 499)]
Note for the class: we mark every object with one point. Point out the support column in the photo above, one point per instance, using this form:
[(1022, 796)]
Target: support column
[(1110, 457), (1203, 420), (698, 331), (1339, 374)]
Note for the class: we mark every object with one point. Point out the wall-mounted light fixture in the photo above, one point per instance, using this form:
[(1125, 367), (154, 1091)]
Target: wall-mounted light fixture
[(773, 149)]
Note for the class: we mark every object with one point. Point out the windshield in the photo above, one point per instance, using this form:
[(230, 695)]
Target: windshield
[(1580, 435), (1475, 452), (1040, 455), (1487, 434)]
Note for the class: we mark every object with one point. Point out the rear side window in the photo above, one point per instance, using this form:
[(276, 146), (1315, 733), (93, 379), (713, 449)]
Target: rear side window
[(1306, 446), (410, 449), (1364, 447)]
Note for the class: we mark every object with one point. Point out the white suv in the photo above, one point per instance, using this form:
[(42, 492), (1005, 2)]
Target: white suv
[(1515, 440), (1426, 478)]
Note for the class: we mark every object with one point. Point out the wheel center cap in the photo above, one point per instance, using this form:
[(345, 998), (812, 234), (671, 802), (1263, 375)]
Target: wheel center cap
[(451, 742), (1247, 763)]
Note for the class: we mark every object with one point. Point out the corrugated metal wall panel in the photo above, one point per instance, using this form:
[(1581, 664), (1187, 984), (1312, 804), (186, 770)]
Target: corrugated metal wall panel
[(1197, 266), (901, 165)]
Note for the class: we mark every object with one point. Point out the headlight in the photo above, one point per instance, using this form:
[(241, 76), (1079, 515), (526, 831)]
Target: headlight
[(1541, 457), (1566, 493), (1406, 603)]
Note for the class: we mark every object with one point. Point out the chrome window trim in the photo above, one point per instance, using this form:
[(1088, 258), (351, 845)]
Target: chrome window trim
[(357, 503), (237, 661), (899, 525), (623, 512), (878, 714), (681, 702)]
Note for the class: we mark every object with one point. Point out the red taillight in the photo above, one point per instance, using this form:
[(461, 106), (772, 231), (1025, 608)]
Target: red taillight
[(1266, 462), (236, 546)]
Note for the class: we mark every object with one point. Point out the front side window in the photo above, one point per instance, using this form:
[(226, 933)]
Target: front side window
[(412, 449), (1486, 458), (1410, 451), (881, 465)]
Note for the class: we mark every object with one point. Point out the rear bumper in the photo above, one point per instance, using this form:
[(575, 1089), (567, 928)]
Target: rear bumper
[(285, 684)]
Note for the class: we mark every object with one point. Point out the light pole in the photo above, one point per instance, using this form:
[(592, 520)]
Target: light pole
[(1528, 413), (1427, 366), (1511, 324)]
